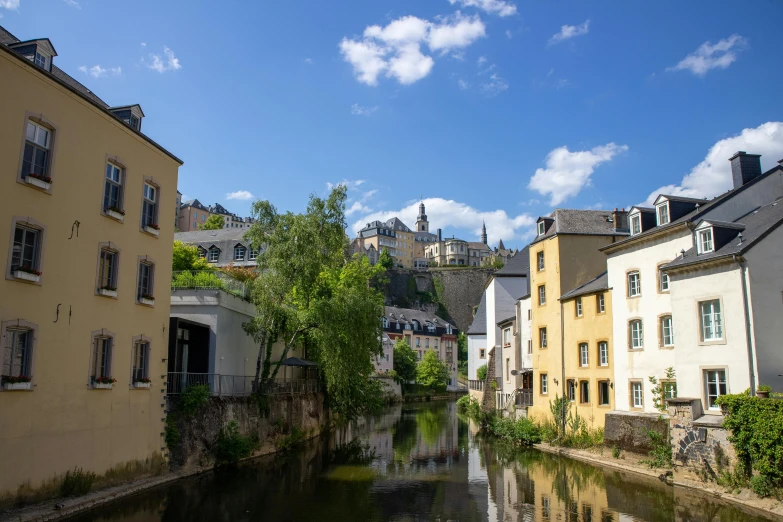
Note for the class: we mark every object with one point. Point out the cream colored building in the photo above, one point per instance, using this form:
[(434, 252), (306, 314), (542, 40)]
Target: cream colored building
[(392, 235), (86, 202), (192, 215)]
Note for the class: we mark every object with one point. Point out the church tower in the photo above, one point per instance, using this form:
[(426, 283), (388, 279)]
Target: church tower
[(422, 225), (483, 232)]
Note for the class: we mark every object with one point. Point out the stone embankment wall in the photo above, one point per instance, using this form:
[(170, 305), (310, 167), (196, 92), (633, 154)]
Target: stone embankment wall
[(628, 430), (454, 296), (302, 416)]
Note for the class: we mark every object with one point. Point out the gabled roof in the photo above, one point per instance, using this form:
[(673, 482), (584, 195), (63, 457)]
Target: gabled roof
[(194, 203), (396, 314), (478, 245), (679, 198), (595, 285), (479, 324), (507, 320), (758, 224), (517, 265), (582, 222), (641, 209), (720, 224), (395, 223), (203, 236)]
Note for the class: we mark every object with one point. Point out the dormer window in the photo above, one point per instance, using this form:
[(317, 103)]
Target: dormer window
[(636, 224), (541, 228), (41, 60), (663, 214), (131, 115), (704, 240)]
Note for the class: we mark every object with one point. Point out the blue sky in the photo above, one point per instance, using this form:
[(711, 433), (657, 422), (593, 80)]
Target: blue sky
[(489, 109)]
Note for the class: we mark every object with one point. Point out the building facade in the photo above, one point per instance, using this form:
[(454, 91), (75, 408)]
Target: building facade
[(224, 247), (192, 215), (87, 201)]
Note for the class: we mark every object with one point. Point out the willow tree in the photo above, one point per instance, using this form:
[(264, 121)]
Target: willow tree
[(310, 293)]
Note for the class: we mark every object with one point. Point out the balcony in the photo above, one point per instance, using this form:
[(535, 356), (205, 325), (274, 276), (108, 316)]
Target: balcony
[(209, 280)]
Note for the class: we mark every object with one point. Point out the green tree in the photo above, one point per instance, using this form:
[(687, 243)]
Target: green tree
[(462, 353), (186, 258), (431, 371), (404, 361), (310, 294), (385, 259), (481, 372), (213, 222)]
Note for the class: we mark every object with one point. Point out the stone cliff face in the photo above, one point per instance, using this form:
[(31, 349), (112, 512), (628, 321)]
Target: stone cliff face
[(449, 293)]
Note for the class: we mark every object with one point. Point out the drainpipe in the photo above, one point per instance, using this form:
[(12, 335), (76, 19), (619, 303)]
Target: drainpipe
[(748, 331), (562, 360)]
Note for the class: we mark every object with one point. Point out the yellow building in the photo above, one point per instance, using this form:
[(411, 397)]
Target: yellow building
[(563, 257), (86, 202), (392, 235)]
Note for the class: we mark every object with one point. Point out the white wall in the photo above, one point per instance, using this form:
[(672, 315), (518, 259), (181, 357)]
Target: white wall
[(474, 343), (502, 294), (525, 331)]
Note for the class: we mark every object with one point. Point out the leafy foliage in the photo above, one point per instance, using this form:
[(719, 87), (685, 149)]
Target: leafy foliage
[(756, 427), (385, 259), (193, 398), (186, 258), (432, 372), (243, 274), (213, 222), (661, 390), (660, 456), (481, 372), (521, 431), (232, 446), (404, 361), (77, 482)]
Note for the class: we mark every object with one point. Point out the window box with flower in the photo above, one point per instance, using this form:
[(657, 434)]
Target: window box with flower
[(26, 273), (142, 382), (17, 382), (115, 213), (103, 383), (108, 291), (146, 299), (38, 180), (153, 229)]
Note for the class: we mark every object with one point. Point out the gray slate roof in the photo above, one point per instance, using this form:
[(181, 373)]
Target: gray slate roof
[(224, 239), (507, 319), (516, 266), (395, 314), (479, 324), (758, 224), (584, 222), (598, 284)]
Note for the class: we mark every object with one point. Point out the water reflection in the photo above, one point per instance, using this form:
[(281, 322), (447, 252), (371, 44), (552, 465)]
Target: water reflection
[(416, 462)]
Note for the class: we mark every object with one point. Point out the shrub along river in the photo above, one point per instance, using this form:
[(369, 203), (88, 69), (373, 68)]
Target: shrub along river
[(417, 462)]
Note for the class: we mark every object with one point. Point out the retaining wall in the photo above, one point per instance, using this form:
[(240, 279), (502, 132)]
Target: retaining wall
[(628, 430)]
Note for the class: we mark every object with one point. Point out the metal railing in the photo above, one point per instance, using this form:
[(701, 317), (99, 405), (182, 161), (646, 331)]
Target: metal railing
[(237, 385), (208, 280), (524, 398), (517, 398), (475, 384)]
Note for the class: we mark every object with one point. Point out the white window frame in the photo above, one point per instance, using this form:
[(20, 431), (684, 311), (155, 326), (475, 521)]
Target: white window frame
[(637, 392), (636, 224), (540, 260), (253, 254), (603, 353), (41, 60), (140, 361), (714, 315), (584, 355), (544, 384), (604, 393), (12, 347), (571, 390), (506, 337), (149, 208), (213, 255), (541, 295), (239, 253), (636, 342), (718, 373), (541, 228), (101, 368), (705, 241), (542, 342), (579, 308), (145, 288), (667, 331), (601, 303), (662, 214), (634, 281), (19, 258), (664, 282), (39, 138), (108, 262), (584, 392), (115, 176)]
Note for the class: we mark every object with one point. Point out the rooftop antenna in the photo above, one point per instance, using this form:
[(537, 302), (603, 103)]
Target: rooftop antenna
[(740, 238), (682, 252)]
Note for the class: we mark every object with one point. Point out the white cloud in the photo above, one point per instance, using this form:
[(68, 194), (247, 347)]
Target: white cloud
[(96, 71), (494, 86), (396, 49), (712, 176), (309, 61), (566, 172), (168, 63), (73, 3), (241, 195), (458, 55), (498, 7), (509, 34), (358, 110), (357, 207), (9, 4), (144, 44), (462, 84), (481, 60), (369, 194), (708, 56), (351, 184), (570, 31), (460, 217)]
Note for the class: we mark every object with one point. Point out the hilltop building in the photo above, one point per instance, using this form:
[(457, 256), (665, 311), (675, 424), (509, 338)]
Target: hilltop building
[(193, 214)]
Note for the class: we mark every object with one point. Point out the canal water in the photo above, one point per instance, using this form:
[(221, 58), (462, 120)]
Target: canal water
[(419, 462)]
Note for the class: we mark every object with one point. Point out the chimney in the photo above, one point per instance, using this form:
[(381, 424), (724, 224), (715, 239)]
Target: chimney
[(744, 168), (440, 238), (620, 219)]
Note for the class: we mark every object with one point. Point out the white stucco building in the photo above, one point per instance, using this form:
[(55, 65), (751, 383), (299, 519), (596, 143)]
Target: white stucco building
[(655, 321)]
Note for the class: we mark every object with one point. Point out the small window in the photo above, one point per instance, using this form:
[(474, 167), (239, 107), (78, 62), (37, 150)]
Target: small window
[(579, 307), (508, 369), (603, 353), (100, 365), (571, 388), (540, 261), (667, 331), (544, 384), (253, 254), (427, 342), (149, 211), (663, 214), (705, 241), (482, 353), (239, 253), (541, 295), (145, 283), (436, 343), (112, 191), (636, 225), (396, 326), (35, 161), (530, 315), (546, 509), (600, 303), (529, 346), (663, 277), (202, 253), (541, 228), (634, 284), (140, 362), (40, 60), (637, 395), (385, 322), (17, 352), (418, 342), (668, 390), (711, 322), (584, 392), (507, 337), (603, 393), (26, 251), (542, 338), (637, 335), (107, 270), (584, 355), (715, 381), (214, 255)]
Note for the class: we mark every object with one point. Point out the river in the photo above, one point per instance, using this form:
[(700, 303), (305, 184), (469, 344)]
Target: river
[(418, 462)]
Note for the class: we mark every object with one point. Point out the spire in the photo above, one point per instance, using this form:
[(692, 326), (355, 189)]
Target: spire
[(422, 225), (501, 246), (483, 232)]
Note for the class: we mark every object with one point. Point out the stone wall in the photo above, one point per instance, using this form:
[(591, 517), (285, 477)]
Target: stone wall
[(488, 399), (700, 446), (628, 430), (287, 414)]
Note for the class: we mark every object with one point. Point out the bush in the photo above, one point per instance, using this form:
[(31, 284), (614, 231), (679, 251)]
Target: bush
[(193, 398), (171, 433), (481, 372), (521, 431), (469, 406), (77, 482), (660, 456), (432, 372), (232, 446)]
